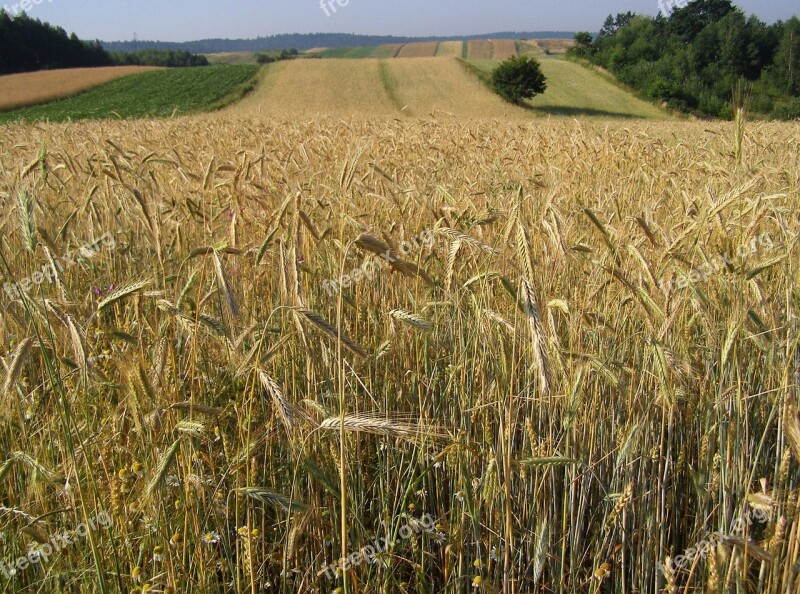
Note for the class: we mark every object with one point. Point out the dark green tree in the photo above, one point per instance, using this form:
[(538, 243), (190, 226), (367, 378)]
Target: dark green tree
[(519, 78), (697, 15), (787, 59), (583, 45)]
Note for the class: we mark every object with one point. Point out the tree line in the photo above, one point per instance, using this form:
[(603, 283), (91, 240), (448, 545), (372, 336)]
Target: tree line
[(305, 41), (700, 56), (28, 45)]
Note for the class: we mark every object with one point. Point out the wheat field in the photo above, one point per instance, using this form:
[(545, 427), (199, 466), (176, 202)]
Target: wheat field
[(503, 49), (481, 49), (32, 88), (259, 344), (418, 50)]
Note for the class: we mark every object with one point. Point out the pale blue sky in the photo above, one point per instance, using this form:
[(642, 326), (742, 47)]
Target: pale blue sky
[(183, 20)]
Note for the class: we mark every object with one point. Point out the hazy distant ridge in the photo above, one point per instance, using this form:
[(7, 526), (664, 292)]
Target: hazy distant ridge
[(311, 40)]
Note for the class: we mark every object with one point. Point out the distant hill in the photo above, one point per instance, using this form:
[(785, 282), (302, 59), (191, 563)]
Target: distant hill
[(311, 40)]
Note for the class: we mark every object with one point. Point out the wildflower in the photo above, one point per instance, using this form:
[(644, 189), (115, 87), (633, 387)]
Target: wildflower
[(211, 538), (601, 572), (493, 555), (158, 553), (173, 481), (33, 553), (148, 523), (477, 581), (244, 532), (460, 496)]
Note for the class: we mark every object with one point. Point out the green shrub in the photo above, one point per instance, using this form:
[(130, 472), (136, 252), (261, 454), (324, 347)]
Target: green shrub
[(519, 78), (788, 110)]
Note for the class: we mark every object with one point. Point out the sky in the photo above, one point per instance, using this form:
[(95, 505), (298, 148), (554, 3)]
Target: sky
[(186, 20)]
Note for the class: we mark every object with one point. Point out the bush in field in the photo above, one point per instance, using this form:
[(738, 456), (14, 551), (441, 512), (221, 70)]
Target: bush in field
[(519, 78)]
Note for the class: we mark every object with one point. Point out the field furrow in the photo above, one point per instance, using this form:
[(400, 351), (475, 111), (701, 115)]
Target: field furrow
[(387, 51), (450, 49)]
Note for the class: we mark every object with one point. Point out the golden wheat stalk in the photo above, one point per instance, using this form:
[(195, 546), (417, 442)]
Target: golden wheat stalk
[(122, 293), (194, 408), (192, 428), (538, 341), (16, 363), (451, 263), (456, 235), (791, 426), (524, 251), (6, 468), (282, 405), (27, 218), (750, 548), (363, 423), (163, 467), (411, 319), (40, 470), (225, 285), (329, 330), (275, 499)]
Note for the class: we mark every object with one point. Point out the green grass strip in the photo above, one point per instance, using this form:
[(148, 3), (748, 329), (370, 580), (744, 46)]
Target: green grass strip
[(160, 93)]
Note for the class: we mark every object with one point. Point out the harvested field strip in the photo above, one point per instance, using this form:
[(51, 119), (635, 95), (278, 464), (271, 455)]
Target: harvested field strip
[(161, 93), (319, 87), (556, 46), (432, 86), (418, 50), (33, 88), (388, 51), (504, 48), (480, 50), (232, 58), (360, 52), (450, 49)]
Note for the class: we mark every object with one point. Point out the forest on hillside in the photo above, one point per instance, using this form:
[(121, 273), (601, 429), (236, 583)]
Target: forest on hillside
[(702, 57), (27, 44)]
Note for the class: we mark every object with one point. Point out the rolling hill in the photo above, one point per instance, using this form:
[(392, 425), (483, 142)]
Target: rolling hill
[(439, 87)]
